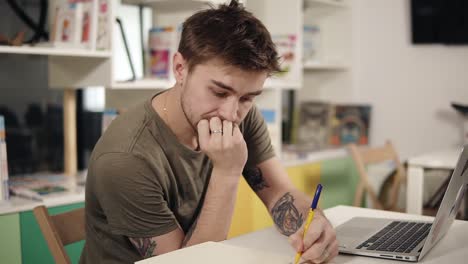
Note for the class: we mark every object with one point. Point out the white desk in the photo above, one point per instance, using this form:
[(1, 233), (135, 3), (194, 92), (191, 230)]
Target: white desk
[(453, 248), (446, 159)]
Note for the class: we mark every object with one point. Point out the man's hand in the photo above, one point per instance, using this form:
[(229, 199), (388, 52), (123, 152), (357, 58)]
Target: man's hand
[(320, 244), (224, 144)]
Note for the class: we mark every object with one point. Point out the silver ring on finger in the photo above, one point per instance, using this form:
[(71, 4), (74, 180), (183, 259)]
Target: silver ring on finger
[(217, 131), (325, 254)]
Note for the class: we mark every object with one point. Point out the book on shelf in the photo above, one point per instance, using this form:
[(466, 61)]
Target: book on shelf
[(104, 25), (4, 194), (350, 123), (162, 44), (286, 48), (38, 186), (313, 128), (269, 115), (76, 24), (311, 43), (319, 125)]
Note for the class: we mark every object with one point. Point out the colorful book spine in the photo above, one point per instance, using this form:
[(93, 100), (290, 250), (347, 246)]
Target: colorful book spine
[(4, 193), (161, 43), (104, 25)]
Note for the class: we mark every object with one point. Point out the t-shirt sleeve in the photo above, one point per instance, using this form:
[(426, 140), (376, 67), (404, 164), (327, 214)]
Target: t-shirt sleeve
[(131, 196), (257, 138)]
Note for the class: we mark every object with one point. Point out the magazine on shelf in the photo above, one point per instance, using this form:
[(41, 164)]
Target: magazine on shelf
[(311, 43), (314, 125), (350, 123), (269, 115), (104, 24), (75, 25), (286, 48), (4, 194), (163, 42), (39, 186)]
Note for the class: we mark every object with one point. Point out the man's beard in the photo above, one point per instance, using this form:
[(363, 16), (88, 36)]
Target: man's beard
[(187, 117)]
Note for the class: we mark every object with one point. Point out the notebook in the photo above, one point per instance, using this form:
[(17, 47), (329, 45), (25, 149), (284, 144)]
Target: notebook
[(215, 253)]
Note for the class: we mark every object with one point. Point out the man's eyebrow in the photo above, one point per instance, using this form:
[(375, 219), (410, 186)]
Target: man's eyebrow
[(229, 88), (224, 86)]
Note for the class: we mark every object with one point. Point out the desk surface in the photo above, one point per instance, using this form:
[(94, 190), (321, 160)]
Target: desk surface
[(453, 248)]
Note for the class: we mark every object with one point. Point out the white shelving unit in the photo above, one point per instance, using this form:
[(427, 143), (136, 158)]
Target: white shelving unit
[(144, 84), (70, 69), (281, 18), (52, 51), (311, 66), (327, 3), (328, 73)]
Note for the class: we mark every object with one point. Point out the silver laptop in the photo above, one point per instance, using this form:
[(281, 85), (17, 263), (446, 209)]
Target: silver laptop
[(402, 239)]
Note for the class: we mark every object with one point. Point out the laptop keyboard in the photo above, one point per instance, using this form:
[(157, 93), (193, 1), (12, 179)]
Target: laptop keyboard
[(398, 236)]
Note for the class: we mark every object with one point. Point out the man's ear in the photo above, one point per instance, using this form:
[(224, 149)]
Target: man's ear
[(179, 67)]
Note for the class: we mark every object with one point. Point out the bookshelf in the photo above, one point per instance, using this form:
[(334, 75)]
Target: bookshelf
[(328, 74), (327, 77), (51, 51), (71, 68)]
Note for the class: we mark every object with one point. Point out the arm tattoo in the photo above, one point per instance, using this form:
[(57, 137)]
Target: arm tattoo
[(254, 178), (189, 233), (145, 246), (286, 216)]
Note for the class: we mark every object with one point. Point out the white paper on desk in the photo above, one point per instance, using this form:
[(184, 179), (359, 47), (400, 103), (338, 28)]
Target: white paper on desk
[(215, 253)]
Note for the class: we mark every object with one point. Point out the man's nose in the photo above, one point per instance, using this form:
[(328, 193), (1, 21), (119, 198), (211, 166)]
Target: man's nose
[(228, 111)]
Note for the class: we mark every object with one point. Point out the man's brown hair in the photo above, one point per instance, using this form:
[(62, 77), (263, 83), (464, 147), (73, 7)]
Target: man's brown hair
[(231, 34)]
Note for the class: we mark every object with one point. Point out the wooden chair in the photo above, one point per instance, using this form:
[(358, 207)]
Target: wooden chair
[(366, 156), (60, 230)]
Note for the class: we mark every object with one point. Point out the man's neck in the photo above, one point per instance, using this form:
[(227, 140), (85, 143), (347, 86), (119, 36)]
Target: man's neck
[(169, 108)]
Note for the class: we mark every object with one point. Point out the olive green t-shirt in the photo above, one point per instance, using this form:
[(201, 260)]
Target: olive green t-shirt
[(142, 182)]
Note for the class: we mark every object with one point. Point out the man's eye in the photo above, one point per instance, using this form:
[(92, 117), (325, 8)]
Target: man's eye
[(220, 95), (246, 99)]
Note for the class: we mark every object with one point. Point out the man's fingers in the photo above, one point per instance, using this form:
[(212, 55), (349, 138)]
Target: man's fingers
[(332, 251), (215, 125), (237, 134), (322, 248), (313, 234), (296, 240), (203, 132), (315, 251), (227, 131)]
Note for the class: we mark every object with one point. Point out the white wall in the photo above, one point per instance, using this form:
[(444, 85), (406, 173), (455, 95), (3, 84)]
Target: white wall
[(410, 86)]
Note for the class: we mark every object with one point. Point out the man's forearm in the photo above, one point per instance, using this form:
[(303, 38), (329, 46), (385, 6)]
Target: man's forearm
[(216, 214), (290, 211)]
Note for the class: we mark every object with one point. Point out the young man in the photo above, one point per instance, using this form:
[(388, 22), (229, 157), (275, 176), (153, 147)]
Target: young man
[(165, 173)]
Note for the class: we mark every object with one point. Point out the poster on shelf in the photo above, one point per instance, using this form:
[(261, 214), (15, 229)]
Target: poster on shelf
[(314, 125), (350, 123)]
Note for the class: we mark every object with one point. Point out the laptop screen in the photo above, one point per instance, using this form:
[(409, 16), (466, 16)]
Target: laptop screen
[(451, 202)]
